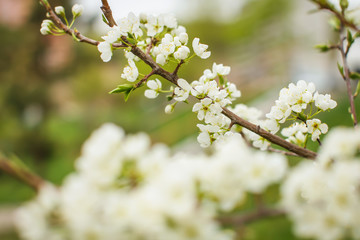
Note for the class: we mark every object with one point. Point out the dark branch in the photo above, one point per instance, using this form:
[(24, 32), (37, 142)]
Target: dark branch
[(105, 8)]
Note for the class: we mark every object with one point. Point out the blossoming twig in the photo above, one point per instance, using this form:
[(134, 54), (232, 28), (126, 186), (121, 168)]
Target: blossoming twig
[(267, 135), (173, 77)]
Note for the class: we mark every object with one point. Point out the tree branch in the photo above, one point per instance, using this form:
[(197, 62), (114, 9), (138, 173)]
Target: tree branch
[(21, 173), (269, 136), (105, 8), (173, 77)]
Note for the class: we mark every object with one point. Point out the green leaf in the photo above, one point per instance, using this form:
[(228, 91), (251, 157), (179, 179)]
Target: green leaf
[(355, 75), (131, 39), (221, 80), (350, 38), (341, 69), (322, 47), (122, 88), (357, 89), (170, 97), (104, 19), (125, 88), (127, 94)]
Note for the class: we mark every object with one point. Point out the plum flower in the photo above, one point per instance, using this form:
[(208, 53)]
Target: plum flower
[(131, 72), (200, 49), (155, 88)]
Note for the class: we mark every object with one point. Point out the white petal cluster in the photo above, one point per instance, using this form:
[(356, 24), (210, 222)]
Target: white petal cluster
[(213, 97), (296, 133), (131, 72), (315, 128), (322, 198), (299, 101), (324, 102), (235, 166), (341, 144), (296, 98), (123, 187), (200, 49), (154, 88)]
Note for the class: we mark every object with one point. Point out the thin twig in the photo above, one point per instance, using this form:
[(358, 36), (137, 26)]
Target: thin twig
[(250, 217), (21, 173), (144, 79), (283, 152), (178, 67), (347, 79)]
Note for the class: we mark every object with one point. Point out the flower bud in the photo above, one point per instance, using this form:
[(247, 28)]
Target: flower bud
[(77, 10), (169, 108), (59, 10)]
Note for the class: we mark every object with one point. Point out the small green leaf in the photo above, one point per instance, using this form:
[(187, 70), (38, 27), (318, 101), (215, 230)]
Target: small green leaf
[(350, 38), (221, 80), (357, 89), (127, 94), (341, 69), (322, 47), (104, 19), (355, 75), (131, 39), (125, 88), (122, 88), (170, 97)]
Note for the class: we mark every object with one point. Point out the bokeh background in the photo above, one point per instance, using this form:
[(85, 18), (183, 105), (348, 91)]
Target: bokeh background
[(54, 91)]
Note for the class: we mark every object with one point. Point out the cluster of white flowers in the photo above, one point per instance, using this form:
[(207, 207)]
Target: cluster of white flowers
[(301, 103), (323, 198), (124, 187)]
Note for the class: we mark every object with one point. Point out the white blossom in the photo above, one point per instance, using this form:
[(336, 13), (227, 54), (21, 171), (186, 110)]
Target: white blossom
[(155, 88), (315, 128), (182, 53), (106, 51), (324, 102), (200, 49), (182, 92), (131, 72)]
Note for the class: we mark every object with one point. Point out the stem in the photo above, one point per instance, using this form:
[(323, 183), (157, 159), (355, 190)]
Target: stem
[(260, 213), (178, 67), (145, 78), (21, 173), (347, 80)]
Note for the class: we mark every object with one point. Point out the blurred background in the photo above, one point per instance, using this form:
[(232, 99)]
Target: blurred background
[(54, 91)]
